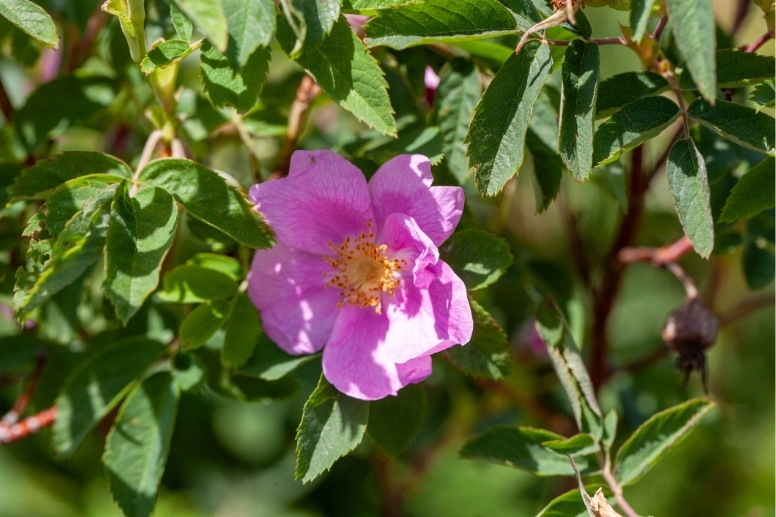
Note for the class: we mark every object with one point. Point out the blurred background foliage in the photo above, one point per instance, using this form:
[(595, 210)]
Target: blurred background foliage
[(235, 459)]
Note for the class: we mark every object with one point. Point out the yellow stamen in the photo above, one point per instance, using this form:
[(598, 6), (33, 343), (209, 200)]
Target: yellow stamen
[(363, 271)]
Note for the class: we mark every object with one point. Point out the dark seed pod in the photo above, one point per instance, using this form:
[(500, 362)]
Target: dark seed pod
[(689, 331)]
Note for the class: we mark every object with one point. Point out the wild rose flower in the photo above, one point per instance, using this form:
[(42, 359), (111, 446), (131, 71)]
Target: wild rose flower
[(356, 270)]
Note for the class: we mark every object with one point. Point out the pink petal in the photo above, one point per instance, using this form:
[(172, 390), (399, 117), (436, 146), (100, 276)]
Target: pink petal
[(288, 289), (324, 200), (415, 370), (404, 238), (426, 321), (355, 360), (403, 185)]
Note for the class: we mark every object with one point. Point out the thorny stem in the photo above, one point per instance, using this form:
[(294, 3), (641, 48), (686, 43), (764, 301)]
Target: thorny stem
[(616, 488), (305, 94)]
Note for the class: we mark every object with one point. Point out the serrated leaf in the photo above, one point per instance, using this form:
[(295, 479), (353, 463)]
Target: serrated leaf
[(333, 424), (44, 113), (738, 123), (456, 97), (689, 185), (251, 24), (639, 18), (492, 52), (497, 132), (67, 199), (270, 363), (521, 447), (613, 179), (758, 264), (183, 27), (581, 64), (94, 388), (395, 420), (208, 16), (192, 284), (656, 437), (206, 196), (137, 446), (634, 124), (487, 353), (201, 323), (622, 89), (479, 258), (736, 68), (372, 6), (342, 66), (693, 27), (314, 21), (754, 192), (141, 232), (39, 181), (438, 20), (19, 349), (31, 19), (763, 95), (579, 444), (226, 85), (242, 333), (164, 54), (426, 141)]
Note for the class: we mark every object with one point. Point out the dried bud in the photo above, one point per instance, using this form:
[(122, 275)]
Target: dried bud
[(600, 506), (689, 331)]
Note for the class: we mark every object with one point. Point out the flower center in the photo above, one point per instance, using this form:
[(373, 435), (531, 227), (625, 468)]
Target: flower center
[(362, 271)]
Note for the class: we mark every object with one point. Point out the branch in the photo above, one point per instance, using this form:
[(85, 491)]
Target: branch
[(659, 28), (616, 488), (745, 307), (145, 157), (28, 426), (305, 94), (759, 42), (656, 256), (24, 398)]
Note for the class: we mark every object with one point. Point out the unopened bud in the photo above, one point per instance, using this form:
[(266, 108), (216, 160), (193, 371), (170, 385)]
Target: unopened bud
[(689, 331)]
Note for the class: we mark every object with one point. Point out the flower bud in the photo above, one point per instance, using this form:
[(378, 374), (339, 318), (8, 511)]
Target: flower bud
[(689, 331)]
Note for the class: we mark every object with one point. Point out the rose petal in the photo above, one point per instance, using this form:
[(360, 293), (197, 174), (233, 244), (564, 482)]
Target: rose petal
[(404, 238), (324, 200), (403, 185), (415, 370), (288, 289)]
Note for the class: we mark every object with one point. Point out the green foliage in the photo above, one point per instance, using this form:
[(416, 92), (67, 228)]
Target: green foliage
[(203, 322), (656, 437), (569, 504), (478, 257), (96, 386), (754, 193), (270, 363), (251, 24), (227, 85), (541, 140), (32, 19), (207, 16), (189, 283), (764, 95), (163, 54), (394, 421), (741, 124), (333, 424), (736, 68), (242, 333), (693, 27), (497, 131), (487, 354), (138, 444), (622, 89), (639, 17)]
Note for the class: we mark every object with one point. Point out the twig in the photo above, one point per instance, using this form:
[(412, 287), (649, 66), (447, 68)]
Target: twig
[(145, 157), (554, 20), (305, 94), (24, 398), (28, 426), (659, 28), (5, 103), (657, 256), (759, 42), (616, 488), (686, 280), (598, 41), (745, 307)]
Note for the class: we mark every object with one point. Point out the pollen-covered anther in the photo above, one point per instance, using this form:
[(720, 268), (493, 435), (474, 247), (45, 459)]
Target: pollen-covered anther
[(363, 271)]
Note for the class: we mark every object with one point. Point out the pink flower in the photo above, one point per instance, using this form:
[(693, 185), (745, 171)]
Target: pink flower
[(356, 270), (431, 80)]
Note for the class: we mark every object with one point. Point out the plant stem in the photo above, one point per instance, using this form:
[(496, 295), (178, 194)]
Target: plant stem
[(659, 28), (145, 157), (671, 78), (759, 42), (616, 488), (657, 256)]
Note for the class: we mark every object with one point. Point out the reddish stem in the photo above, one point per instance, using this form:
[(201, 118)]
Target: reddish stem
[(759, 42), (28, 426), (657, 256)]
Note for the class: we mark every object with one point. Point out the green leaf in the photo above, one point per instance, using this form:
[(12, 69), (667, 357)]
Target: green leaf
[(736, 68), (478, 257), (164, 54), (67, 199), (206, 196), (494, 53), (32, 19), (497, 131), (544, 8), (581, 65), (314, 21), (188, 371), (548, 170), (634, 124), (569, 504), (694, 30), (270, 363), (656, 437), (438, 20), (79, 244), (639, 17), (141, 232), (757, 263), (183, 27), (622, 89), (226, 85), (242, 333), (610, 430), (689, 185), (193, 284), (487, 353), (38, 181), (456, 97), (763, 95), (753, 193), (137, 446), (19, 349), (223, 264), (203, 322), (394, 421), (613, 179), (333, 424), (426, 141), (738, 123), (372, 6), (251, 24), (521, 447), (579, 444), (342, 66), (45, 114), (94, 388), (208, 16)]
